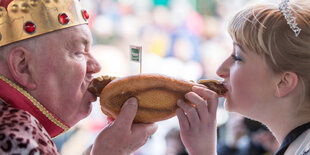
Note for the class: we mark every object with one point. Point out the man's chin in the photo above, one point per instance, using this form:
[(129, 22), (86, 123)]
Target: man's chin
[(88, 110), (81, 115)]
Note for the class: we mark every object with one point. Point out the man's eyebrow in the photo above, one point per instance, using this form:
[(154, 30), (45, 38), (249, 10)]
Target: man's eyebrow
[(82, 39), (85, 41), (76, 42)]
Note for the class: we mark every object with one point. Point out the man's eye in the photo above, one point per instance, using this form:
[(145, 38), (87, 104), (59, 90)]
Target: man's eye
[(236, 58), (81, 53)]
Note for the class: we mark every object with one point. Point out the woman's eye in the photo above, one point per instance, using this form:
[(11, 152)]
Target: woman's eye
[(236, 57)]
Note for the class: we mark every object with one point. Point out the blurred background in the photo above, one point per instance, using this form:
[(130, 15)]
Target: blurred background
[(185, 39)]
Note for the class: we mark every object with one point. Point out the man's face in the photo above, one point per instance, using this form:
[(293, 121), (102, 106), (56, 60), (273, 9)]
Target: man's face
[(62, 69)]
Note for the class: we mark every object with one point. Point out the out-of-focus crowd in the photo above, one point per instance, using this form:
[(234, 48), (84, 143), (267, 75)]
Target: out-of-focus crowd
[(186, 39)]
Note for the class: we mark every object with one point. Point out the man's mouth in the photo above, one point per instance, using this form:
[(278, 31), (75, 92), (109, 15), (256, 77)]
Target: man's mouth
[(94, 98)]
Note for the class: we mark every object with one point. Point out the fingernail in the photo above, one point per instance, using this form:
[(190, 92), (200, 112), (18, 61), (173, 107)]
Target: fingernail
[(132, 101), (186, 95), (179, 101), (196, 87)]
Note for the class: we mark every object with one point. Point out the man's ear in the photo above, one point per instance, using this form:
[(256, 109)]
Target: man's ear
[(285, 84), (18, 62)]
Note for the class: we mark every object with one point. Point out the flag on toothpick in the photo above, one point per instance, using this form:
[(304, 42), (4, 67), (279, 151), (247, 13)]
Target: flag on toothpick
[(136, 55)]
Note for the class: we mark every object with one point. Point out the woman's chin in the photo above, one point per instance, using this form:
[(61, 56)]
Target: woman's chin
[(227, 106)]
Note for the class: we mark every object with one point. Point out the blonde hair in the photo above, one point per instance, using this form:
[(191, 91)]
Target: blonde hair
[(264, 30)]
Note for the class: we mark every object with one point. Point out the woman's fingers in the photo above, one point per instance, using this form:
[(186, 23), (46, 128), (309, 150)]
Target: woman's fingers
[(183, 121), (199, 103), (205, 101), (190, 113), (210, 96)]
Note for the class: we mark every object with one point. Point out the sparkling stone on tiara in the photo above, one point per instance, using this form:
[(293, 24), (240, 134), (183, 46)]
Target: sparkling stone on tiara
[(291, 20)]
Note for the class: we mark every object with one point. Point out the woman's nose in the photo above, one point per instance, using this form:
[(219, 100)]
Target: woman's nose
[(223, 69)]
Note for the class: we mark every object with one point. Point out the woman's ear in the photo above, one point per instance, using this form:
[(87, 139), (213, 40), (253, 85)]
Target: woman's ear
[(18, 62), (285, 84)]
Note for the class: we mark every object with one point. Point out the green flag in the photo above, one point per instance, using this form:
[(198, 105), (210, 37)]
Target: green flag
[(135, 52), (136, 55)]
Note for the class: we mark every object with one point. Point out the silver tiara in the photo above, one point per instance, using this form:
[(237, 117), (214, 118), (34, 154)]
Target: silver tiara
[(291, 20)]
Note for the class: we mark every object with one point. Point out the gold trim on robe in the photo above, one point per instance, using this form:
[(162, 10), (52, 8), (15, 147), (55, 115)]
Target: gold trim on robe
[(35, 103)]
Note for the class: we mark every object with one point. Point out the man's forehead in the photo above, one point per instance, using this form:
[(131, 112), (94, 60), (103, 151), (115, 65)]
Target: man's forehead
[(80, 33)]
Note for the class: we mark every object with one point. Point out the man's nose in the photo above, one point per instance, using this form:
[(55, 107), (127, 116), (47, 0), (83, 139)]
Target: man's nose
[(93, 65)]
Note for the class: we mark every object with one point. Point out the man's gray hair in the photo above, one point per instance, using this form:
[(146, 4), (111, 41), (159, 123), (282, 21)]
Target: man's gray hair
[(30, 44)]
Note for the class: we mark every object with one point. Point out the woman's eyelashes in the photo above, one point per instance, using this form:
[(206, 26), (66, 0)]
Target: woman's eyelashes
[(235, 57), (236, 53)]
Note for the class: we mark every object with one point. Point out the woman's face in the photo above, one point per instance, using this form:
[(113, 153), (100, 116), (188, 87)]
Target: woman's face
[(248, 80)]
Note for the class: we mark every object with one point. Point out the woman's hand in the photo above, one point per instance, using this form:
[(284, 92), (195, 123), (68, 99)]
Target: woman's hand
[(123, 136), (198, 122)]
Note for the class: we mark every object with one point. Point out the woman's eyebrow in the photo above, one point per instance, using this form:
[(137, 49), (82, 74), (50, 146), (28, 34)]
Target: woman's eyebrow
[(236, 45)]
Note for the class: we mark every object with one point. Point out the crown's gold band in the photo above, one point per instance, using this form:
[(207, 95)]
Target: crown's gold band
[(29, 18)]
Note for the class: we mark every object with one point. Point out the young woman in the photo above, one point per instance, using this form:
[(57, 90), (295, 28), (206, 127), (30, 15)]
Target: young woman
[(267, 77)]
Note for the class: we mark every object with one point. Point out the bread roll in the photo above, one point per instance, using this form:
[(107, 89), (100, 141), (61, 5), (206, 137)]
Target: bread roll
[(156, 94)]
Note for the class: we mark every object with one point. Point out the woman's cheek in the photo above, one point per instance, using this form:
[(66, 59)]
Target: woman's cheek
[(238, 91)]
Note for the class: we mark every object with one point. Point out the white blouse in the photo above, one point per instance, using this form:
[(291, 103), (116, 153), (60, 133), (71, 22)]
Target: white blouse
[(301, 146)]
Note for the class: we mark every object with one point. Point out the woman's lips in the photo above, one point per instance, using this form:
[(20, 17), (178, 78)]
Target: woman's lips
[(225, 86)]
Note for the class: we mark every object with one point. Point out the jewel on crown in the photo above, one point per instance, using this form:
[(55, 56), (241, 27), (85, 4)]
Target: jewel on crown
[(24, 19), (287, 13)]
